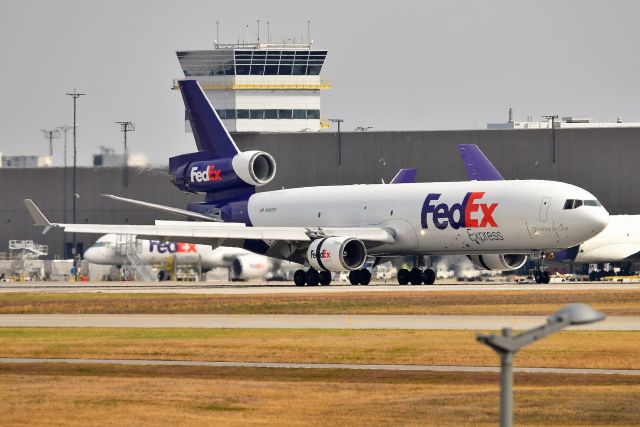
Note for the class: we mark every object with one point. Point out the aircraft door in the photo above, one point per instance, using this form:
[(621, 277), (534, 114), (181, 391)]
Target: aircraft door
[(544, 209)]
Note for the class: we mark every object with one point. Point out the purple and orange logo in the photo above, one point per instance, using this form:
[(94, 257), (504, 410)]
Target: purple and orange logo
[(171, 247), (468, 214), (210, 174)]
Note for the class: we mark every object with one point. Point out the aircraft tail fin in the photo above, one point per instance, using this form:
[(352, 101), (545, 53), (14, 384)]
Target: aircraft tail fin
[(405, 176), (478, 167), (208, 130)]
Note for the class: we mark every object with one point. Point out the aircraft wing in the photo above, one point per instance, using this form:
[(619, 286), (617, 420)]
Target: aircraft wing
[(185, 230)]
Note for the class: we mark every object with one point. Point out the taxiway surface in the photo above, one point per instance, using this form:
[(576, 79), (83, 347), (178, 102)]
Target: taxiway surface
[(301, 321), (249, 288)]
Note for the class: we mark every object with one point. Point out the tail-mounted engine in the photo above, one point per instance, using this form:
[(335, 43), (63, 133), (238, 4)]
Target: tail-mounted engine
[(501, 262), (196, 173), (336, 254)]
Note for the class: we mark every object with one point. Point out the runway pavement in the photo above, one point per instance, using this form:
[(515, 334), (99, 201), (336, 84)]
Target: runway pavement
[(248, 288), (290, 321), (429, 368)]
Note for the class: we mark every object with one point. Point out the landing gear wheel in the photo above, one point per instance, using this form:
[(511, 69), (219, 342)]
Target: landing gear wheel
[(415, 276), (537, 275), (354, 277), (403, 276), (365, 277), (545, 277), (429, 276), (313, 277), (325, 278), (300, 278)]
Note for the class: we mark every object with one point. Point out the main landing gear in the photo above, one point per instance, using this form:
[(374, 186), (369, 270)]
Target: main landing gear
[(541, 276), (416, 276), (311, 277)]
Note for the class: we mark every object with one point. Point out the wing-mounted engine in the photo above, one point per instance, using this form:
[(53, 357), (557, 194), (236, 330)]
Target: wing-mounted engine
[(500, 262), (336, 254), (246, 267)]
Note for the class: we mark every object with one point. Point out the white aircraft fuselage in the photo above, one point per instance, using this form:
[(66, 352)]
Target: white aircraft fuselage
[(442, 218), (619, 241)]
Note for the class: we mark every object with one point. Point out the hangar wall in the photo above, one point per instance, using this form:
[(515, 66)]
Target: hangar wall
[(603, 161)]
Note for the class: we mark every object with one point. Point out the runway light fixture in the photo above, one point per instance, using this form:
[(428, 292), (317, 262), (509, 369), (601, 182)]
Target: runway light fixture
[(507, 345)]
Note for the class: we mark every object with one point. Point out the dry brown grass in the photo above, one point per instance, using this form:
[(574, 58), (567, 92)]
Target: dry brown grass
[(567, 349), (613, 302), (119, 395)]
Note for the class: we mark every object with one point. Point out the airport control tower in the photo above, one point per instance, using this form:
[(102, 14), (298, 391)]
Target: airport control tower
[(261, 87)]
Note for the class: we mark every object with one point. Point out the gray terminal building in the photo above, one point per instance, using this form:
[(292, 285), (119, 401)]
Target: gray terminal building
[(604, 161)]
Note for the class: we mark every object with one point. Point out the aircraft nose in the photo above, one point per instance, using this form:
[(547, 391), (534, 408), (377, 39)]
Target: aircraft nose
[(91, 255), (599, 219)]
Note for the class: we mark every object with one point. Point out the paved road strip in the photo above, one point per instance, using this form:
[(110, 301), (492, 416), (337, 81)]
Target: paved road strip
[(429, 368), (300, 321)]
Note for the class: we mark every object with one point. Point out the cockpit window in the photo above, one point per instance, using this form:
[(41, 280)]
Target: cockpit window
[(575, 203), (103, 244)]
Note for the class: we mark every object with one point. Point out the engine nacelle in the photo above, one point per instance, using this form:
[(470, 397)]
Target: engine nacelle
[(336, 254), (196, 173), (254, 167), (246, 267), (501, 262)]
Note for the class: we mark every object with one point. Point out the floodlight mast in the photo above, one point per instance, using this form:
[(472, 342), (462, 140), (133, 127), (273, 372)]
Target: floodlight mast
[(507, 345)]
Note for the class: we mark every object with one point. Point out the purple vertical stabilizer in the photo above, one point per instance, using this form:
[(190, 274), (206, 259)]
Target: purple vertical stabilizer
[(405, 176), (478, 167)]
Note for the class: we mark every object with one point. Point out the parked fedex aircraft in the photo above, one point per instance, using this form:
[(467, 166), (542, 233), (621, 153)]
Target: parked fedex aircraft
[(618, 243), (242, 264), (337, 228)]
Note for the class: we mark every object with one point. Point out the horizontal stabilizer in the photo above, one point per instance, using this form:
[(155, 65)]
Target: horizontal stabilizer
[(162, 208)]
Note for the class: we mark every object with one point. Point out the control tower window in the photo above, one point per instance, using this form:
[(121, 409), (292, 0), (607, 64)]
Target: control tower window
[(285, 70), (313, 114), (256, 114), (270, 114), (285, 114), (300, 114), (242, 114)]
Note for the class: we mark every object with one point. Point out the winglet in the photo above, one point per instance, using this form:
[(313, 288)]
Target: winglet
[(405, 176), (478, 167), (38, 216)]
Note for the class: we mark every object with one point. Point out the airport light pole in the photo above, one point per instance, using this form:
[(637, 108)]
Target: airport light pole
[(51, 135), (64, 129), (553, 135), (124, 128), (507, 345), (338, 121), (75, 95)]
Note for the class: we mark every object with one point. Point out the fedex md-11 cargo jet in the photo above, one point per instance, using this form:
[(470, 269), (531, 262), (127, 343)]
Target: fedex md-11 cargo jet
[(498, 224)]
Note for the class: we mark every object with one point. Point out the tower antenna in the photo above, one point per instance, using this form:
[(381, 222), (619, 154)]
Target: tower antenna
[(217, 31), (309, 31), (258, 30), (268, 32)]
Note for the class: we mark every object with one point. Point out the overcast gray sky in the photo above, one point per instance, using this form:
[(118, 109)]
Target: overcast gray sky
[(400, 65)]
